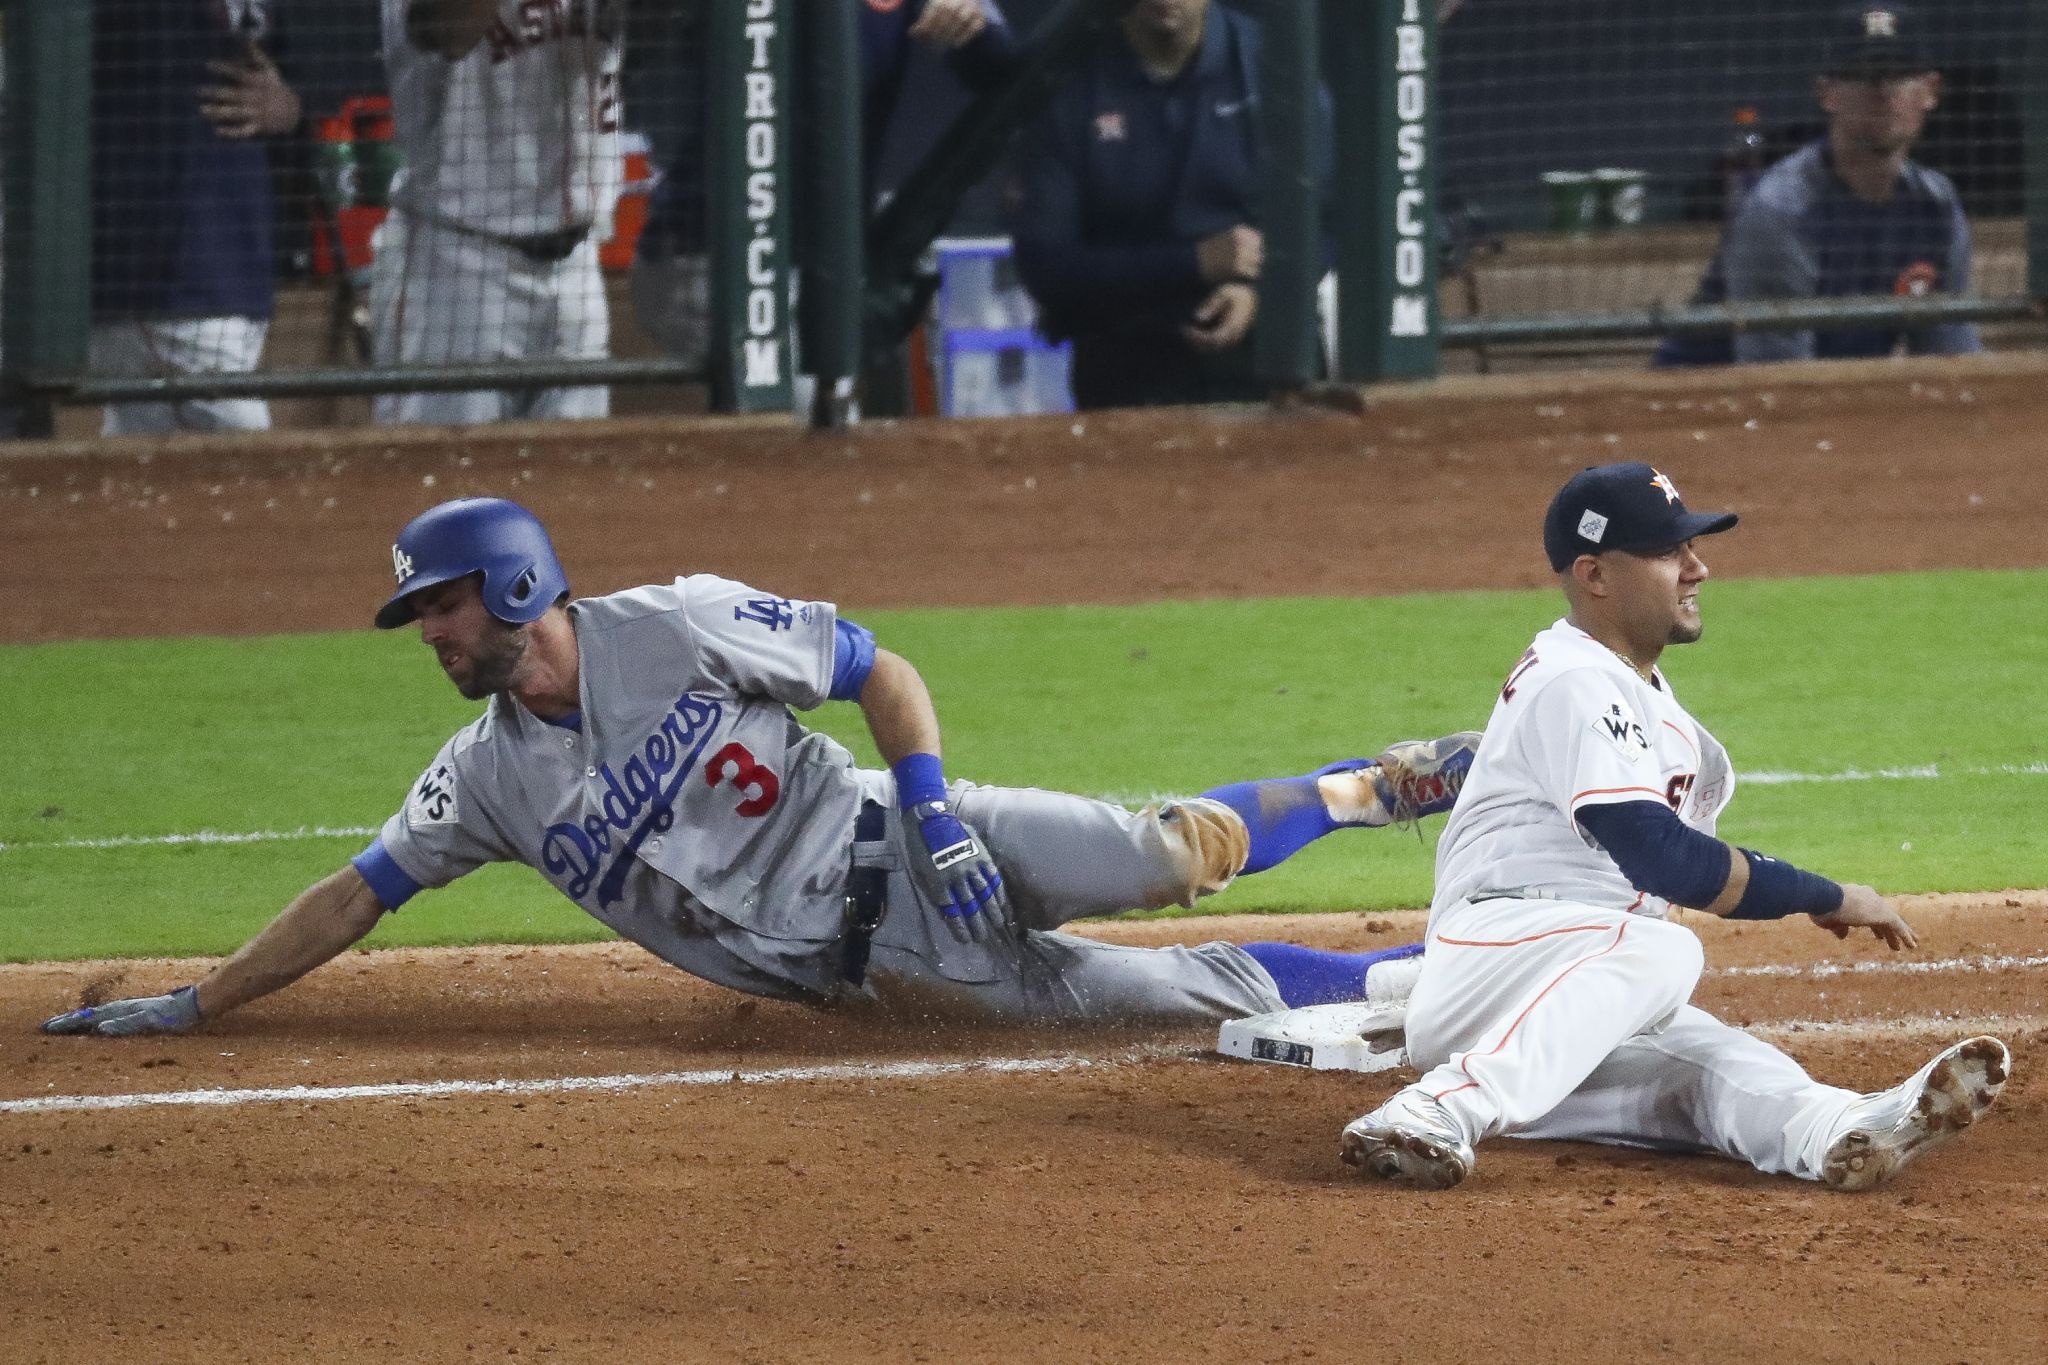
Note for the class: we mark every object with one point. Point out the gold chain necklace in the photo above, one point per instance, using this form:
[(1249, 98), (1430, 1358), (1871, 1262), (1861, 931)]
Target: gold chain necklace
[(1640, 671)]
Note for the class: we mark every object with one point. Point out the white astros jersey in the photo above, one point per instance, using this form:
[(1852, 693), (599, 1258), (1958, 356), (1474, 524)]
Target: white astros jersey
[(1574, 727), (520, 136), (688, 771)]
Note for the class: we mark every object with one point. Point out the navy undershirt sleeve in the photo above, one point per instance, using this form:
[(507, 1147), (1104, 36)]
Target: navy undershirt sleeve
[(853, 658), (1658, 852), (388, 881), (1777, 889)]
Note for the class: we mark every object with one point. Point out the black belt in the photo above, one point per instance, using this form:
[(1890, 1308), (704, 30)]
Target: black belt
[(548, 248), (867, 894), (542, 248)]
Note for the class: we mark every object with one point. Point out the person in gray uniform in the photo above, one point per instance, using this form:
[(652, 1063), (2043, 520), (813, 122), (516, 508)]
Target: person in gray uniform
[(639, 751)]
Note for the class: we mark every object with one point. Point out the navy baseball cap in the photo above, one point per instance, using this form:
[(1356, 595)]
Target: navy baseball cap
[(1873, 40), (1621, 507)]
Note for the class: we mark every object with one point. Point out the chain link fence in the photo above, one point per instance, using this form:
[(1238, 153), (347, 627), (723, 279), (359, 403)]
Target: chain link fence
[(286, 201)]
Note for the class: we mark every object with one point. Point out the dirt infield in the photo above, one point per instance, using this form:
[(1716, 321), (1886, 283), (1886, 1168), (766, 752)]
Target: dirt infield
[(948, 1194)]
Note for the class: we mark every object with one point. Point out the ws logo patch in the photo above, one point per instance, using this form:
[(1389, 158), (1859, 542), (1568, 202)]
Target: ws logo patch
[(433, 800), (1618, 726)]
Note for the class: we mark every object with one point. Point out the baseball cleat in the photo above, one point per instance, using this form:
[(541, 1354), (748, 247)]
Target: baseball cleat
[(1410, 1139), (1421, 777), (1410, 779), (1892, 1127)]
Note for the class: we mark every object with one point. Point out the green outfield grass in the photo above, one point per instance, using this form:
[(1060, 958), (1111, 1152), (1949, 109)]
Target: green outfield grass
[(149, 740)]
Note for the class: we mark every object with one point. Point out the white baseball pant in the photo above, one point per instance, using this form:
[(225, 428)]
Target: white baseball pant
[(227, 345), (441, 297), (1547, 1019)]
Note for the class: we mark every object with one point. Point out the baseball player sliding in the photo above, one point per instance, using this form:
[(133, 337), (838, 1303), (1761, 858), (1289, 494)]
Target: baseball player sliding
[(507, 114), (639, 751), (1552, 1000)]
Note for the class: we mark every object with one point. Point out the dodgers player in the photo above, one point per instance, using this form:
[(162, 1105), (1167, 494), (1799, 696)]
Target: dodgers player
[(1552, 1000), (507, 115), (639, 751)]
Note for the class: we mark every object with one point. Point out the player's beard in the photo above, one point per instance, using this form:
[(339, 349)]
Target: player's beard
[(494, 661), (1686, 628)]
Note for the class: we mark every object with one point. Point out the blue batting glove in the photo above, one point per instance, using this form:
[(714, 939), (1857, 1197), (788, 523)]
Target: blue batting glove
[(177, 1012), (955, 871)]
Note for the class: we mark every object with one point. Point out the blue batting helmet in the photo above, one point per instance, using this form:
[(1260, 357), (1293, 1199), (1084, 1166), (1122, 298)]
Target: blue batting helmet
[(500, 540)]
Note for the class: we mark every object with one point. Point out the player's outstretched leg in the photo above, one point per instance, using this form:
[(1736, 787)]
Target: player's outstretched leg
[(1315, 976), (1886, 1130), (1413, 778)]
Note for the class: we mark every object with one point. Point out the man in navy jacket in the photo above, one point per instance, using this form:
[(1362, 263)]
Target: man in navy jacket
[(1136, 221)]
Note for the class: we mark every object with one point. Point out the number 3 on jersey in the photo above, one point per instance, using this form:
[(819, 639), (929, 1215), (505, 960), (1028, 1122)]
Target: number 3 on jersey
[(758, 783)]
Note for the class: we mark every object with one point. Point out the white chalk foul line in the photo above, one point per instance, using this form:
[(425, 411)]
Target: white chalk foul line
[(1887, 967), (1918, 773), (1922, 772), (1953, 1026), (204, 836), (556, 1085)]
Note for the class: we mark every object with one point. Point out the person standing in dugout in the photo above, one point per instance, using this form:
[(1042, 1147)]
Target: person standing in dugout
[(1135, 214), (1553, 999), (1851, 214), (639, 751)]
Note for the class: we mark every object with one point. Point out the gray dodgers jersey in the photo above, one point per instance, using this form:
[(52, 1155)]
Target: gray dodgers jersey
[(691, 813)]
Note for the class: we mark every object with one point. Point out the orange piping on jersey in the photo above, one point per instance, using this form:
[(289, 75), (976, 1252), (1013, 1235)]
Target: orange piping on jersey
[(1613, 791), (1472, 1082), (1517, 942), (1687, 738)]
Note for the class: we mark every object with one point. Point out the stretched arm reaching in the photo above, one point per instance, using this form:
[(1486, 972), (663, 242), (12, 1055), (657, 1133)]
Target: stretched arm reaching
[(321, 922), (1661, 854)]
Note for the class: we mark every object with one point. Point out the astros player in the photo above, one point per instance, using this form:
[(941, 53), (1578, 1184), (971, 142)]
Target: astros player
[(507, 116), (1551, 1001), (639, 751), (1851, 214)]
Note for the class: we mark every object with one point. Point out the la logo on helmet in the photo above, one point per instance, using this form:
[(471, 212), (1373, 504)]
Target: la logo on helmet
[(1880, 23), (401, 564)]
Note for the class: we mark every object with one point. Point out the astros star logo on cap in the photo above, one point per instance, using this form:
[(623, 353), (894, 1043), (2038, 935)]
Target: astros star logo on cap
[(1663, 481)]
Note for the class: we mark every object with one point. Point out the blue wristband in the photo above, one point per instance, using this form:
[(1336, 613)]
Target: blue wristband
[(1777, 889), (919, 778)]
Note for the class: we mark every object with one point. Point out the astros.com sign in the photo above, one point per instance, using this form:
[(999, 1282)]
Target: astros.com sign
[(1409, 316), (761, 348)]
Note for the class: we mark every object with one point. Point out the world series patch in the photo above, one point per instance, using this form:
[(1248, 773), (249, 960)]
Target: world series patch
[(433, 801), (1618, 726)]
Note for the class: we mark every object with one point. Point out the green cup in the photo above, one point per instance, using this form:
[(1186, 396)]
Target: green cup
[(1622, 197), (1574, 201)]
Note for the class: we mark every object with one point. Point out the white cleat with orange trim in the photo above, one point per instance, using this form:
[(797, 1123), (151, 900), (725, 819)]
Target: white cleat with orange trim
[(1410, 1139), (1892, 1127)]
